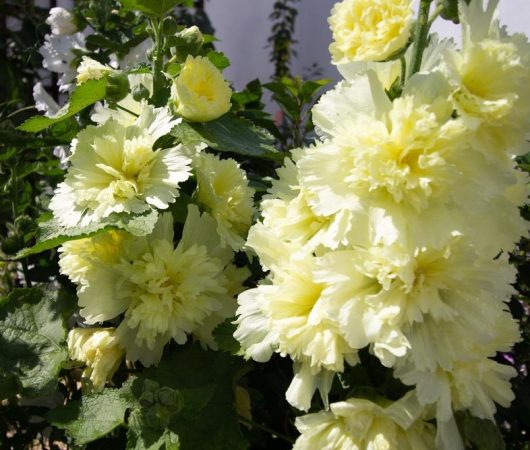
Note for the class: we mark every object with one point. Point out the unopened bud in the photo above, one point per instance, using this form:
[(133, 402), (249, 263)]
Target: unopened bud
[(117, 86)]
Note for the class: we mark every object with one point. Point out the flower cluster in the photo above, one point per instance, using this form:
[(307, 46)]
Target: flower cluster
[(383, 232), (163, 292), (177, 279)]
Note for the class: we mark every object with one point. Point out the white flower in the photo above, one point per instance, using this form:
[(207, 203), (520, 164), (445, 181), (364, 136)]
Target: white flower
[(58, 56), (99, 349), (114, 169), (222, 187), (44, 101), (61, 21), (137, 54)]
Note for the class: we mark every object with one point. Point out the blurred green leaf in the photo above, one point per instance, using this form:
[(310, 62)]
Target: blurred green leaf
[(152, 8)]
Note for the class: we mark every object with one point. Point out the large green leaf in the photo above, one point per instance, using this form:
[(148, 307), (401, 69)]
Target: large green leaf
[(32, 339), (229, 133), (482, 433), (52, 234), (206, 418), (84, 95), (94, 416), (186, 402), (153, 8)]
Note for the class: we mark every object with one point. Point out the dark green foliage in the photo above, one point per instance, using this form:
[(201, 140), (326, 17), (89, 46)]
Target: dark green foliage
[(295, 97), (281, 40), (229, 133), (32, 340)]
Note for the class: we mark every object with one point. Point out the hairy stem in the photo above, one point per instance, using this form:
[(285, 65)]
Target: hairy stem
[(420, 36), (158, 57)]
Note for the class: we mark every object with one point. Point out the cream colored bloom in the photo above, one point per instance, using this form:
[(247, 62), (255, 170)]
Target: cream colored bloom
[(397, 302), (200, 92), (90, 69), (358, 424), (114, 169), (369, 30), (291, 317), (222, 188), (99, 349), (395, 164), (79, 257), (61, 21), (288, 216), (164, 292), (491, 76)]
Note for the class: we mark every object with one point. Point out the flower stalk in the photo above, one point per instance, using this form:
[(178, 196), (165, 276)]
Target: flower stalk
[(421, 36)]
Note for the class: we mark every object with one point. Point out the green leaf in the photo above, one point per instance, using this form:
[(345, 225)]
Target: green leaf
[(141, 437), (32, 338), (450, 9), (229, 133), (482, 433), (206, 418), (84, 95), (224, 336), (52, 234), (153, 8), (218, 59), (94, 416)]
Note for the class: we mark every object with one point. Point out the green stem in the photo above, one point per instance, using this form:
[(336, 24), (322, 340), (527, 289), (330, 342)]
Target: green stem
[(158, 57), (126, 110), (420, 37), (251, 423), (403, 62), (25, 269), (439, 9)]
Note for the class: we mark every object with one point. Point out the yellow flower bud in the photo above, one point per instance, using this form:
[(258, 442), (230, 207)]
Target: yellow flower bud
[(200, 92), (99, 349)]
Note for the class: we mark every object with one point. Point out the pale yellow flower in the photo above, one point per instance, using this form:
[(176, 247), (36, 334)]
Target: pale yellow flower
[(369, 30), (90, 69), (200, 92), (222, 187), (114, 169), (358, 424), (99, 349), (78, 257), (491, 77), (164, 292)]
